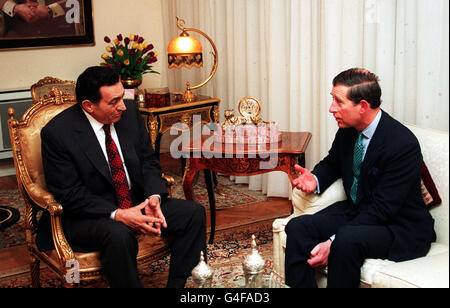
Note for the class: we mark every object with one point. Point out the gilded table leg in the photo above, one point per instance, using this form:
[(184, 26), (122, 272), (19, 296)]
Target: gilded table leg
[(153, 128), (188, 179)]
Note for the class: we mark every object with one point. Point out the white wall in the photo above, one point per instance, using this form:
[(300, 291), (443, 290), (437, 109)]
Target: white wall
[(19, 69)]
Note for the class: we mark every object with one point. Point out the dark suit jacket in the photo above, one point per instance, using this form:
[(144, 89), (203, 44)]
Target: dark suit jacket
[(77, 172), (389, 185)]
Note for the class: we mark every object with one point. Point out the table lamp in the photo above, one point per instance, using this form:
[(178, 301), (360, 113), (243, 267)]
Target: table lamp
[(187, 51)]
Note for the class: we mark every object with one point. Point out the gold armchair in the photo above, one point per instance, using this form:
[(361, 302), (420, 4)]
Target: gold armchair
[(41, 89), (26, 147)]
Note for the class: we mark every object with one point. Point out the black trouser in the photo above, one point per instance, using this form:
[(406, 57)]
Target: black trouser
[(186, 225), (352, 245)]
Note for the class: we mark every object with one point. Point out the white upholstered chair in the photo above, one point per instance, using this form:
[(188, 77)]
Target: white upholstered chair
[(426, 272)]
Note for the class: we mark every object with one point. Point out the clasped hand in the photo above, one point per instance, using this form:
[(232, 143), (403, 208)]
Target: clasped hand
[(150, 223), (30, 11)]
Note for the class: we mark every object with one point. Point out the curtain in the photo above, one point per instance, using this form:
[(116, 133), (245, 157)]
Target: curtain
[(286, 53)]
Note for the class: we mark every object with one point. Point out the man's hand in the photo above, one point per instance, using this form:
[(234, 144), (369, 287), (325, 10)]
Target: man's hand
[(133, 218), (153, 209), (319, 254), (26, 11), (305, 181), (41, 11)]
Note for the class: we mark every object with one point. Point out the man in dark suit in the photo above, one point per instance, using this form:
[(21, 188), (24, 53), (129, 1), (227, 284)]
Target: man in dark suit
[(100, 165), (384, 216)]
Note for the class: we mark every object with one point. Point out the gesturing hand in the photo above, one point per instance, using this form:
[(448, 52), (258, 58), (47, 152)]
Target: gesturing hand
[(133, 218), (305, 181)]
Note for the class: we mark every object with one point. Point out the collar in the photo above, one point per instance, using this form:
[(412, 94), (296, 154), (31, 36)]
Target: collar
[(96, 125), (370, 130)]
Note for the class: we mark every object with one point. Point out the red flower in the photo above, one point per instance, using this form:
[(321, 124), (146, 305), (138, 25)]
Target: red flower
[(119, 37), (126, 40), (151, 60), (107, 39)]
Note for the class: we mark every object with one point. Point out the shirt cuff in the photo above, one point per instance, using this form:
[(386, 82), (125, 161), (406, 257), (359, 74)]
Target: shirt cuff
[(317, 191), (57, 10), (8, 7), (113, 215)]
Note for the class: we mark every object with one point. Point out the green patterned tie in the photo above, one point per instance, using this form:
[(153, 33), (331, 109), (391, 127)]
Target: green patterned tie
[(357, 161)]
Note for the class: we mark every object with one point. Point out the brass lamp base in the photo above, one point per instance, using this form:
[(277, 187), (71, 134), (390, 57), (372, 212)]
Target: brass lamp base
[(188, 96)]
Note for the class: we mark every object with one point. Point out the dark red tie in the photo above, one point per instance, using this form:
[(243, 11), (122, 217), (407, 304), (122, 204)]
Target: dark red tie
[(117, 171)]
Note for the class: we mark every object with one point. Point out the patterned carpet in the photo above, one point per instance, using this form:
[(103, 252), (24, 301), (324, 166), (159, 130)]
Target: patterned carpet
[(225, 256), (236, 195)]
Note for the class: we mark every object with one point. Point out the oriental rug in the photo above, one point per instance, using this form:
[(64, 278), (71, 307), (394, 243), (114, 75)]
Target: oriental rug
[(235, 195), (225, 257)]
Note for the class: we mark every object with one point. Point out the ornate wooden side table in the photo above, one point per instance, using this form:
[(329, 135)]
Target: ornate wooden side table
[(160, 119), (241, 160)]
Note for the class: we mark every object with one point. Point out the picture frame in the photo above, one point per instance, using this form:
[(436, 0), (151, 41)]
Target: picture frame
[(68, 23)]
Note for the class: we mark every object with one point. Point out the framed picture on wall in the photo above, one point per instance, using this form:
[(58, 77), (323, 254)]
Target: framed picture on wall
[(45, 23)]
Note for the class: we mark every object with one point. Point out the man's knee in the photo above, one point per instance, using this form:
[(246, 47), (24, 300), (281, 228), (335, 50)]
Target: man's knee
[(121, 237), (297, 225), (197, 211)]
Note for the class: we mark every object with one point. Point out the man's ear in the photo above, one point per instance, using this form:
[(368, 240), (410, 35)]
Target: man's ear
[(88, 106), (364, 106)]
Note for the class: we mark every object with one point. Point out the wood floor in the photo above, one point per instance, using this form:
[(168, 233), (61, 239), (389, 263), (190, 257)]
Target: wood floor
[(15, 260)]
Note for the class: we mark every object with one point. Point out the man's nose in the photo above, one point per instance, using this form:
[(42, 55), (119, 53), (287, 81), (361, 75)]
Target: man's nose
[(121, 105), (333, 107)]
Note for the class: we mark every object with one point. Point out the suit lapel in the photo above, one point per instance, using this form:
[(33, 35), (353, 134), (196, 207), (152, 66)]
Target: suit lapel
[(377, 143), (88, 142), (376, 146), (347, 157)]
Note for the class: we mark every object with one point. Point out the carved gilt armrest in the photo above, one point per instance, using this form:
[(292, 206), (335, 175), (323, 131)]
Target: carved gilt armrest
[(169, 182), (46, 201)]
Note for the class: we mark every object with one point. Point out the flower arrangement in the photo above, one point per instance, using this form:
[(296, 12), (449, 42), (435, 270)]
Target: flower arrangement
[(130, 57)]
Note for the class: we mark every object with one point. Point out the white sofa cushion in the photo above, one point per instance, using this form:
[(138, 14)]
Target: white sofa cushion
[(426, 272)]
